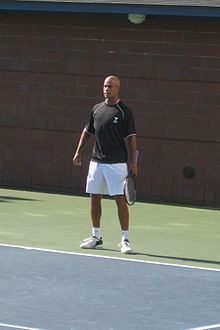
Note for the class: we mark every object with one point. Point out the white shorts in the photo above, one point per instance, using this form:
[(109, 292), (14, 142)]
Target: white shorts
[(106, 179)]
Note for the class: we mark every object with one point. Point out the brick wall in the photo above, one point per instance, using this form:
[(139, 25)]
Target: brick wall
[(51, 73)]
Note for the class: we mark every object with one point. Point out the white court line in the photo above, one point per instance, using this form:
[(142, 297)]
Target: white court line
[(11, 326), (108, 257), (207, 327)]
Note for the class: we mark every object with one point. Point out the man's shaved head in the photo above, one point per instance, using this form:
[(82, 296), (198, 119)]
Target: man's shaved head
[(111, 89), (113, 79)]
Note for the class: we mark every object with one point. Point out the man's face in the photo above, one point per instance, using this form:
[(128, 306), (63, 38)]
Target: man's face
[(110, 89)]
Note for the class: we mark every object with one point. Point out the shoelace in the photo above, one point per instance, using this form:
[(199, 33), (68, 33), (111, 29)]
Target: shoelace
[(124, 242), (90, 239), (87, 239)]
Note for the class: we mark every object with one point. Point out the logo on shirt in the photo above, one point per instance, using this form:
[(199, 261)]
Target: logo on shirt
[(115, 120)]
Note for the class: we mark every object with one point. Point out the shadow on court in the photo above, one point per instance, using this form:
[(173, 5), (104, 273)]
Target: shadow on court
[(169, 257), (9, 199)]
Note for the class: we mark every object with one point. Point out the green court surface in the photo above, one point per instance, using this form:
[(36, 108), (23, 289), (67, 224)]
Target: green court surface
[(161, 233)]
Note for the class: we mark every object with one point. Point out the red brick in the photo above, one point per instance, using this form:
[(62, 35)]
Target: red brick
[(170, 78)]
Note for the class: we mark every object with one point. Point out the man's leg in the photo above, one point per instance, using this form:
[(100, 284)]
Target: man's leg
[(95, 209), (94, 242), (123, 216)]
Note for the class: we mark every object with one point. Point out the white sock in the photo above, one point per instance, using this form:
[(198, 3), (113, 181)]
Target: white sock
[(96, 232), (124, 235)]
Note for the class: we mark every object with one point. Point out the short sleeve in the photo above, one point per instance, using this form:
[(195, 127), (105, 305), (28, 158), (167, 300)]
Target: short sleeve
[(129, 127)]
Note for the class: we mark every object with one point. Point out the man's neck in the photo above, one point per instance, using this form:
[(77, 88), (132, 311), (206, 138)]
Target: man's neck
[(112, 101)]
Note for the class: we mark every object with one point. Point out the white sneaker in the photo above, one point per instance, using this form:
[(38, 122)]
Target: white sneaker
[(92, 243), (126, 247)]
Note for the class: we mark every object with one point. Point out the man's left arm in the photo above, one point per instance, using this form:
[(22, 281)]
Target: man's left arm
[(132, 144)]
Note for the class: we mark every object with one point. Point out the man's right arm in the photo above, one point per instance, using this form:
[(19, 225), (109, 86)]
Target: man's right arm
[(82, 141)]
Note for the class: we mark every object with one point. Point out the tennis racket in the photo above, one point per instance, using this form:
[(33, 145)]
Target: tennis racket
[(130, 187), (130, 190)]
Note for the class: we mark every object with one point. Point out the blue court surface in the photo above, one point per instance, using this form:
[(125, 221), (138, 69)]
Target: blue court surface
[(43, 289)]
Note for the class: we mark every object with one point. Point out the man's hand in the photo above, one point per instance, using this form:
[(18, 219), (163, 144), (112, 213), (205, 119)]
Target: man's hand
[(133, 169), (77, 159)]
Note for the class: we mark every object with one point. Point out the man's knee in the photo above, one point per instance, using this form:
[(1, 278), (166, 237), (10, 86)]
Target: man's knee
[(120, 201), (96, 198)]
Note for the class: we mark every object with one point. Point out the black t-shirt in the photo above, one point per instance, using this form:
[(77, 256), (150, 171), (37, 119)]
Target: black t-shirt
[(110, 125)]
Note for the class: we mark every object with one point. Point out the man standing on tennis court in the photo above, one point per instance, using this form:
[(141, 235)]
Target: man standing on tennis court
[(111, 123)]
